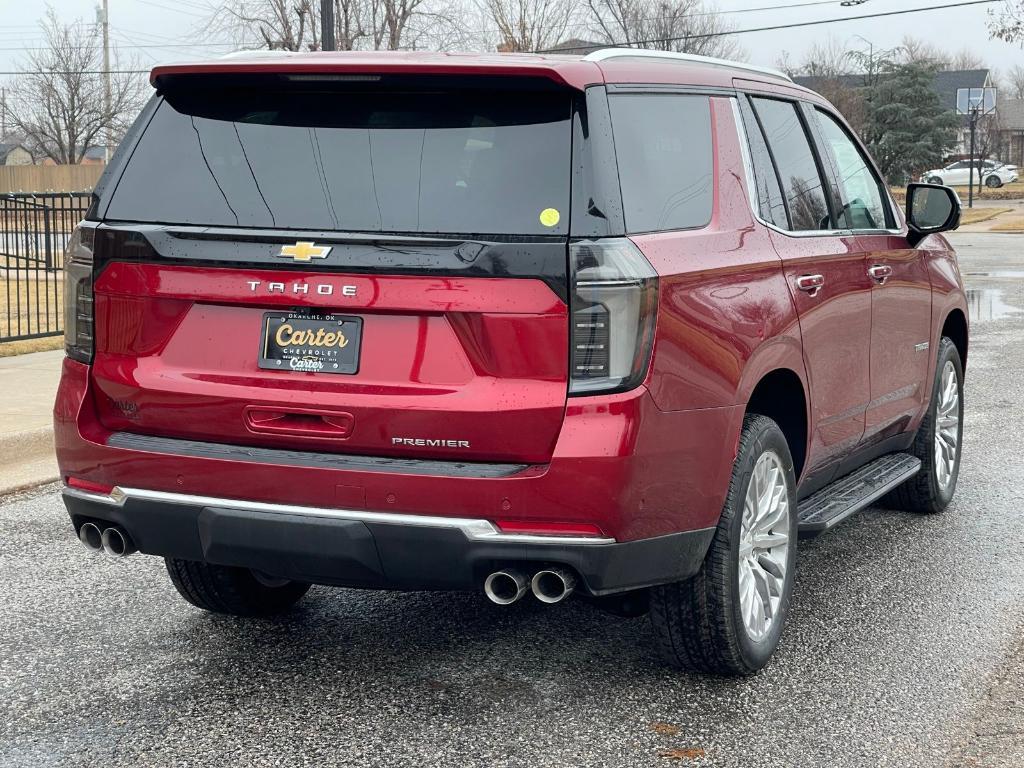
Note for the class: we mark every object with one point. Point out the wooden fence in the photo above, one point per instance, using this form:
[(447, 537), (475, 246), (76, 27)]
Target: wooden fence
[(48, 178)]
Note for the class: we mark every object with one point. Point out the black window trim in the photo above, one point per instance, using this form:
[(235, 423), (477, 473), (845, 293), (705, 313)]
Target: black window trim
[(890, 212), (771, 156)]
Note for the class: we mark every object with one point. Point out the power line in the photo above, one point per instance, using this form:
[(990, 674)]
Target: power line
[(772, 28)]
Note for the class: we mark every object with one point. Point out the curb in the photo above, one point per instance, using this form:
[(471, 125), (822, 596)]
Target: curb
[(22, 446), (27, 460)]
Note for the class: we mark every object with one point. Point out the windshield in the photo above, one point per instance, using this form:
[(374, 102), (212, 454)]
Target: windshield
[(430, 162)]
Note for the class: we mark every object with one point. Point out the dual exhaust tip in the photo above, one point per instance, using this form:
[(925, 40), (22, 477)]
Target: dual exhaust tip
[(112, 540), (550, 585)]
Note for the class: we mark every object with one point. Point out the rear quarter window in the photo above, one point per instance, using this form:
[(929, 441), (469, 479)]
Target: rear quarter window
[(665, 157)]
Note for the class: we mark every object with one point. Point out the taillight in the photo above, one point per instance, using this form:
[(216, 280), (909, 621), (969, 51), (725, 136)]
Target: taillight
[(614, 305), (78, 309)]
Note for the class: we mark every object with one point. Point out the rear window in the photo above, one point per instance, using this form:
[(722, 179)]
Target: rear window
[(665, 158), (430, 162)]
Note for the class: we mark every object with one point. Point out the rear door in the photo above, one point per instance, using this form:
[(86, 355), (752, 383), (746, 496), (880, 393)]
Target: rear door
[(363, 268), (825, 271)]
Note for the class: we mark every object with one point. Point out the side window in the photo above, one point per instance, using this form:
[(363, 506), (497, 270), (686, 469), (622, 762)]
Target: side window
[(665, 157), (766, 180), (798, 170), (861, 198)]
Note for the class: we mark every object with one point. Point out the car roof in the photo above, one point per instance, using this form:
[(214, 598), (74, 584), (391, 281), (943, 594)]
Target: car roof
[(621, 65)]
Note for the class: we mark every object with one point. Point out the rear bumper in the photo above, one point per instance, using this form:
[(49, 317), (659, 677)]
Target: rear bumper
[(375, 550), (653, 481)]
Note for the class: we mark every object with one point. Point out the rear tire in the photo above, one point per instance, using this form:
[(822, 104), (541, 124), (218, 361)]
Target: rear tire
[(235, 591), (704, 624), (931, 489), (934, 179)]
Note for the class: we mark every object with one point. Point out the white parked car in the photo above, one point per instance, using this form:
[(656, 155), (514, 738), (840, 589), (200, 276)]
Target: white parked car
[(993, 174)]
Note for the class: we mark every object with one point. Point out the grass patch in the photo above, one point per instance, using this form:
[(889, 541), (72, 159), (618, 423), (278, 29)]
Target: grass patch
[(978, 215), (12, 348), (1013, 191), (30, 305), (1012, 223)]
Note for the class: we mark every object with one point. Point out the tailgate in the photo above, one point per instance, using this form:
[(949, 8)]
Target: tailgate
[(300, 264)]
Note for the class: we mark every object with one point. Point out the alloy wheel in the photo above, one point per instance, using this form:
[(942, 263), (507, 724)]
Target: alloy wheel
[(764, 545), (947, 426)]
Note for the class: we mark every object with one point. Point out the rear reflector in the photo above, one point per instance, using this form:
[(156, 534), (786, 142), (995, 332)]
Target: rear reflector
[(88, 485), (542, 528)]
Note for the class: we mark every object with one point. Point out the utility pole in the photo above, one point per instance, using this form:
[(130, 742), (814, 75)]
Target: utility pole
[(326, 25), (106, 81), (3, 113)]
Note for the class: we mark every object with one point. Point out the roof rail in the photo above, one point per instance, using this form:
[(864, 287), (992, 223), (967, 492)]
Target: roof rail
[(255, 53), (615, 53)]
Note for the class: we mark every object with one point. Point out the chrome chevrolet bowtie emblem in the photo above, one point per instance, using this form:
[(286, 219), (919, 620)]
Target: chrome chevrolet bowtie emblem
[(304, 251)]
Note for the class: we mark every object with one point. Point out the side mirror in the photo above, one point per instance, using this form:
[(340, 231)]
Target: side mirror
[(931, 208)]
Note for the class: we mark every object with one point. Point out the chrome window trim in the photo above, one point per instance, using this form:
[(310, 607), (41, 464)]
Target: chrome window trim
[(755, 208), (473, 529)]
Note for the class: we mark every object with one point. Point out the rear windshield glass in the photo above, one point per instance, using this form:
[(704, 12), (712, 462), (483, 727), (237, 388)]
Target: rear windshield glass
[(456, 162)]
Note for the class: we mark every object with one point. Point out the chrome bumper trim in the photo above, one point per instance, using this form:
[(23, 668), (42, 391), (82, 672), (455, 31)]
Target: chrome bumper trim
[(473, 529)]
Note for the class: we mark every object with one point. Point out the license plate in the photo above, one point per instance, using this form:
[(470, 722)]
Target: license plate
[(310, 343)]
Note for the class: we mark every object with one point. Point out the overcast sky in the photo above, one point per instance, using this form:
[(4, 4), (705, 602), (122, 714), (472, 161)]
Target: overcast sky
[(139, 27)]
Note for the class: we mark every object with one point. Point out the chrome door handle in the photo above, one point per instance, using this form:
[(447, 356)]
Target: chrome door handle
[(810, 284), (880, 272)]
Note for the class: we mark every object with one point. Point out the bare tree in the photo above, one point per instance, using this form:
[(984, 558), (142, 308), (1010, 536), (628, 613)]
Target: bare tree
[(528, 25), (914, 51), (965, 58), (1014, 82), (1007, 22), (689, 26), (294, 25), (57, 101)]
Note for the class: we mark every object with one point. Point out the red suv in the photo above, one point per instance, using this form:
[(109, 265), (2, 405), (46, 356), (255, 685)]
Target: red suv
[(623, 325)]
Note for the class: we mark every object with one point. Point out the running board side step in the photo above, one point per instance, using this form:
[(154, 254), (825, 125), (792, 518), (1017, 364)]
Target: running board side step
[(837, 501)]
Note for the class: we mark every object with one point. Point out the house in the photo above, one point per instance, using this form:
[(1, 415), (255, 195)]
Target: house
[(1011, 130), (14, 154), (946, 84), (95, 156), (576, 47)]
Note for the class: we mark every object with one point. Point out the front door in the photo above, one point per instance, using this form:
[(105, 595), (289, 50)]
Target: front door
[(900, 288)]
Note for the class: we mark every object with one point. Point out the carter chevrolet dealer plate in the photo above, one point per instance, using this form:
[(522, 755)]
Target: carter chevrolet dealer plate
[(311, 343)]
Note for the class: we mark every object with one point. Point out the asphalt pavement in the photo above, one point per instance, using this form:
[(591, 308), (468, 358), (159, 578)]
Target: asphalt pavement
[(903, 647)]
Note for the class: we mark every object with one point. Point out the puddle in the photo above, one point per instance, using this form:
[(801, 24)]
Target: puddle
[(984, 304), (997, 273)]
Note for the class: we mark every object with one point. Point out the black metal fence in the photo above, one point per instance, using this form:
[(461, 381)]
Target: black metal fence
[(34, 229)]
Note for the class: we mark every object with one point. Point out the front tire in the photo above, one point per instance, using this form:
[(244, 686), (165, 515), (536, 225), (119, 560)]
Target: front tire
[(728, 619), (993, 182), (938, 440), (934, 180), (235, 591)]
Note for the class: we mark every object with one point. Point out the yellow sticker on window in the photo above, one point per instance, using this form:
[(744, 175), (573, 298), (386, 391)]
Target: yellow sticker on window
[(549, 217)]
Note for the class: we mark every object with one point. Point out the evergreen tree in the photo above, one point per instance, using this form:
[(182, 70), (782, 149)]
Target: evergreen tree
[(907, 128)]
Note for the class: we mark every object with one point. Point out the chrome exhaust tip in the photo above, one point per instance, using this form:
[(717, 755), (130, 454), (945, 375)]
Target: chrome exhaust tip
[(90, 536), (553, 585), (116, 542), (505, 587)]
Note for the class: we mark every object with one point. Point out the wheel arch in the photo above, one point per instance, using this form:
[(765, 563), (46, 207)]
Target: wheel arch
[(954, 326), (780, 395)]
